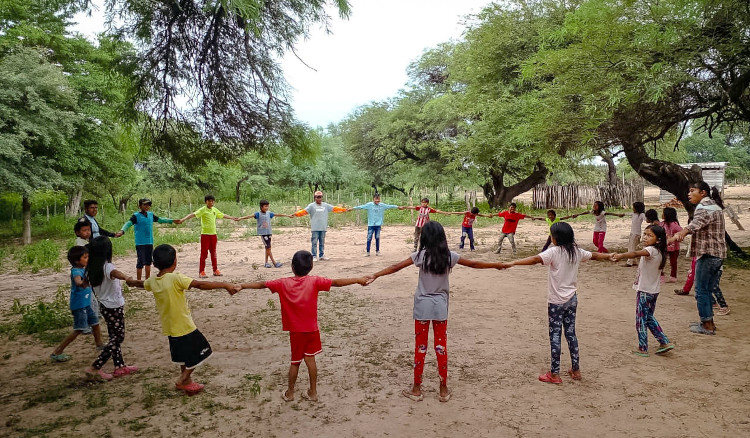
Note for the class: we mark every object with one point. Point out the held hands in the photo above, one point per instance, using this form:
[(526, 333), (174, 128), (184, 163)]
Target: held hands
[(119, 233), (177, 221), (233, 288), (615, 257), (367, 280)]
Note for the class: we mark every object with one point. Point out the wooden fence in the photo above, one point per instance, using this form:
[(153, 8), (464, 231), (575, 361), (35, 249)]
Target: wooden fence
[(575, 196)]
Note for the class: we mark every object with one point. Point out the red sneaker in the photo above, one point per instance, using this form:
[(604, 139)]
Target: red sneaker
[(217, 273), (549, 378), (203, 274), (191, 388)]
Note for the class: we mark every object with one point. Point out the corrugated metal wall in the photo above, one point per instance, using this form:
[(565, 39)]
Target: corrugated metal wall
[(713, 175)]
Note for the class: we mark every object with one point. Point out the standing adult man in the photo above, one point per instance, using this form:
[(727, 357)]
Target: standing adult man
[(91, 208), (318, 211)]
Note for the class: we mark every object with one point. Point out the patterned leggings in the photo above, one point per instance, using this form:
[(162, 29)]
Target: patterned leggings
[(645, 304), (421, 331), (563, 316), (116, 327)]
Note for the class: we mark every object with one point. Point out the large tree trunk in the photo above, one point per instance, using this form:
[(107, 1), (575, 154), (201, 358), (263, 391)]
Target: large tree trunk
[(611, 168), (237, 188), (499, 196), (26, 220), (74, 202)]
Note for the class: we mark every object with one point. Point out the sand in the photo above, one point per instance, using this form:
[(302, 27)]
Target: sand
[(497, 341)]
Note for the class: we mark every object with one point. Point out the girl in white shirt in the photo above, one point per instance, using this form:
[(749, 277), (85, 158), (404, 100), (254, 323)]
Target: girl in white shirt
[(563, 260), (647, 283)]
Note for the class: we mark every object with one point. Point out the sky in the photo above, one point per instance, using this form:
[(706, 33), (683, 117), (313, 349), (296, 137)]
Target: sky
[(365, 57)]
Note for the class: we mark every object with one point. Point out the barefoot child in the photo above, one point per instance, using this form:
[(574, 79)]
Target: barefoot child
[(435, 262), (143, 223), (84, 316), (105, 281), (263, 218), (647, 284), (187, 345), (563, 260), (299, 316), (208, 215)]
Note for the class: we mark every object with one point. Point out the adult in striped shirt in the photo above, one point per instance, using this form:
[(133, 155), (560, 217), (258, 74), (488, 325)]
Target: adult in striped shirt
[(423, 217)]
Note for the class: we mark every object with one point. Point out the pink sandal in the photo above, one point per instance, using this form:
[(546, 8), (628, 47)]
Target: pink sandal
[(191, 388), (124, 371)]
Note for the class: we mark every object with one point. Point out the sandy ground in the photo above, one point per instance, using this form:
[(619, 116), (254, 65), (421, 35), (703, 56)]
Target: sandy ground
[(497, 342)]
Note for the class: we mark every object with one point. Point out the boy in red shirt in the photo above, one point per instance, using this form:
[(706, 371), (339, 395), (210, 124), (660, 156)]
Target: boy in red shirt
[(509, 226), (299, 316), (467, 226)]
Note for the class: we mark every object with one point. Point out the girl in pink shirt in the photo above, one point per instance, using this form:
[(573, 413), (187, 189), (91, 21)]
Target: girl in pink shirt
[(671, 226)]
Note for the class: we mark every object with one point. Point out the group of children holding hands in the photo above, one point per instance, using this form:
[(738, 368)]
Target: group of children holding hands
[(95, 279)]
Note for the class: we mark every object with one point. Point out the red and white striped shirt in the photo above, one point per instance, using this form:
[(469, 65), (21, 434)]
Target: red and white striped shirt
[(424, 215)]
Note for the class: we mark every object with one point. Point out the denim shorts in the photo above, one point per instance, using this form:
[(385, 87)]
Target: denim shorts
[(84, 318)]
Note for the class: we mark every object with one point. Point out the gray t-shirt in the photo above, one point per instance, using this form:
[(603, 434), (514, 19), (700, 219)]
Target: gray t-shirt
[(319, 215), (431, 296), (264, 222)]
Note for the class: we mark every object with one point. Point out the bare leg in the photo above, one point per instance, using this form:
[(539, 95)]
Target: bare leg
[(184, 376), (65, 342), (293, 371), (270, 256), (312, 372), (148, 271), (138, 273), (97, 331)]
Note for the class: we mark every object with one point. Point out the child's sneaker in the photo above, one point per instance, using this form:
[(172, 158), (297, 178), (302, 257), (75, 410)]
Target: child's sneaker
[(217, 273), (324, 258), (367, 254), (124, 371), (315, 259), (203, 274), (377, 253), (278, 264), (268, 265)]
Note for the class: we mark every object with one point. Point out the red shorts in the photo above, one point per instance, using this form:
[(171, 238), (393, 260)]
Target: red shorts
[(304, 344)]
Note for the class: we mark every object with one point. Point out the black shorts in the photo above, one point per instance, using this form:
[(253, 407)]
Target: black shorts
[(266, 238), (189, 350), (145, 255)]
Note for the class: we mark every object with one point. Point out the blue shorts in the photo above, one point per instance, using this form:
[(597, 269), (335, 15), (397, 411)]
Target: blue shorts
[(84, 318), (145, 255)]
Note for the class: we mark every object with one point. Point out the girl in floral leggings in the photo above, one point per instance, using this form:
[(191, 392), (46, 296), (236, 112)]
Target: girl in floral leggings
[(105, 280), (434, 261), (563, 260)]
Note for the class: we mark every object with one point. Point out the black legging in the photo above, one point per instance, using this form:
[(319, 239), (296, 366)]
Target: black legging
[(116, 327)]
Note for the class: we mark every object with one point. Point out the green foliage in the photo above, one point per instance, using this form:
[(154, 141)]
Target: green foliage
[(41, 255), (252, 382), (42, 316)]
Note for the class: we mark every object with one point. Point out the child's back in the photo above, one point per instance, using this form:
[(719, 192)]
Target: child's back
[(299, 300), (563, 272), (431, 295), (171, 302)]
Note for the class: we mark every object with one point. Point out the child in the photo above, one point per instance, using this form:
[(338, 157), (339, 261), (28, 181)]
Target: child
[(563, 260), (318, 211), (647, 284), (553, 219), (208, 215), (144, 234), (187, 345), (299, 316), (635, 228), (467, 226), (435, 262), (422, 218), (263, 218), (82, 228), (510, 223), (375, 210), (671, 226), (652, 217), (600, 224), (84, 317), (105, 281), (689, 279)]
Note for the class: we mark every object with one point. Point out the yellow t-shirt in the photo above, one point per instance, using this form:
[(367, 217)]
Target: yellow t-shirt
[(171, 302), (208, 219)]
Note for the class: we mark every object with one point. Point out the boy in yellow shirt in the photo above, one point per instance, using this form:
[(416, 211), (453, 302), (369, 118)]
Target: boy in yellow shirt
[(187, 345), (208, 215)]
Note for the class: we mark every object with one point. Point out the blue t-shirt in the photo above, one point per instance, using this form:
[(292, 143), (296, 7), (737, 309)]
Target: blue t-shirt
[(79, 297), (264, 222), (144, 226), (375, 212)]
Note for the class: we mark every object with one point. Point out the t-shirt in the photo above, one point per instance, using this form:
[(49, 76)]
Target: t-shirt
[(208, 218), (636, 222), (671, 229), (81, 241), (550, 222), (109, 292), (511, 220), (424, 215), (144, 226), (299, 301), (375, 212), (171, 303), (600, 222), (264, 222), (431, 296), (562, 281), (648, 276), (318, 216), (469, 219), (80, 297)]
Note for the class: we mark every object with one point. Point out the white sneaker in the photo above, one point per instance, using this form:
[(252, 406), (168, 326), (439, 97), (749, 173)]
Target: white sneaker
[(315, 259), (324, 258), (367, 254), (377, 253)]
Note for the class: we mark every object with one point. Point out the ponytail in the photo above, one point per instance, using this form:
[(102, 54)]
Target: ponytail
[(717, 197)]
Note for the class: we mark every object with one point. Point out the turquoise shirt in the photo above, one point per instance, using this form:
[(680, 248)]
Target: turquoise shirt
[(144, 226), (374, 212)]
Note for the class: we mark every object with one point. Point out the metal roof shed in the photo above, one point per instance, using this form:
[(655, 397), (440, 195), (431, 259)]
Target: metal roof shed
[(713, 175)]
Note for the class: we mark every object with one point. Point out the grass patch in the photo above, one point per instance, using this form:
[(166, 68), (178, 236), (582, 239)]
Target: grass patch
[(41, 255), (252, 384), (41, 316), (153, 394), (133, 425), (733, 261), (97, 399), (51, 393)]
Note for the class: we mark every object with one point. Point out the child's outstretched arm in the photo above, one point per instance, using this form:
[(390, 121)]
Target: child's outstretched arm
[(209, 285), (476, 264), (128, 280), (190, 216), (625, 255), (252, 285), (391, 269), (339, 282), (533, 260)]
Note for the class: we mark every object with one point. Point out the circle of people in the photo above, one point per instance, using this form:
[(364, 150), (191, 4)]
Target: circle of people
[(96, 291)]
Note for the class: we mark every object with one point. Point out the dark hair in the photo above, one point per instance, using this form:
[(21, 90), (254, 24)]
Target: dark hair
[(376, 195), (207, 198), (164, 256), (670, 215), (554, 213), (513, 204), (263, 202), (713, 193), (564, 237), (652, 215), (302, 263), (427, 200), (83, 222), (639, 207), (661, 242), (437, 256), (599, 204), (475, 210), (75, 253), (100, 252), (88, 203)]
